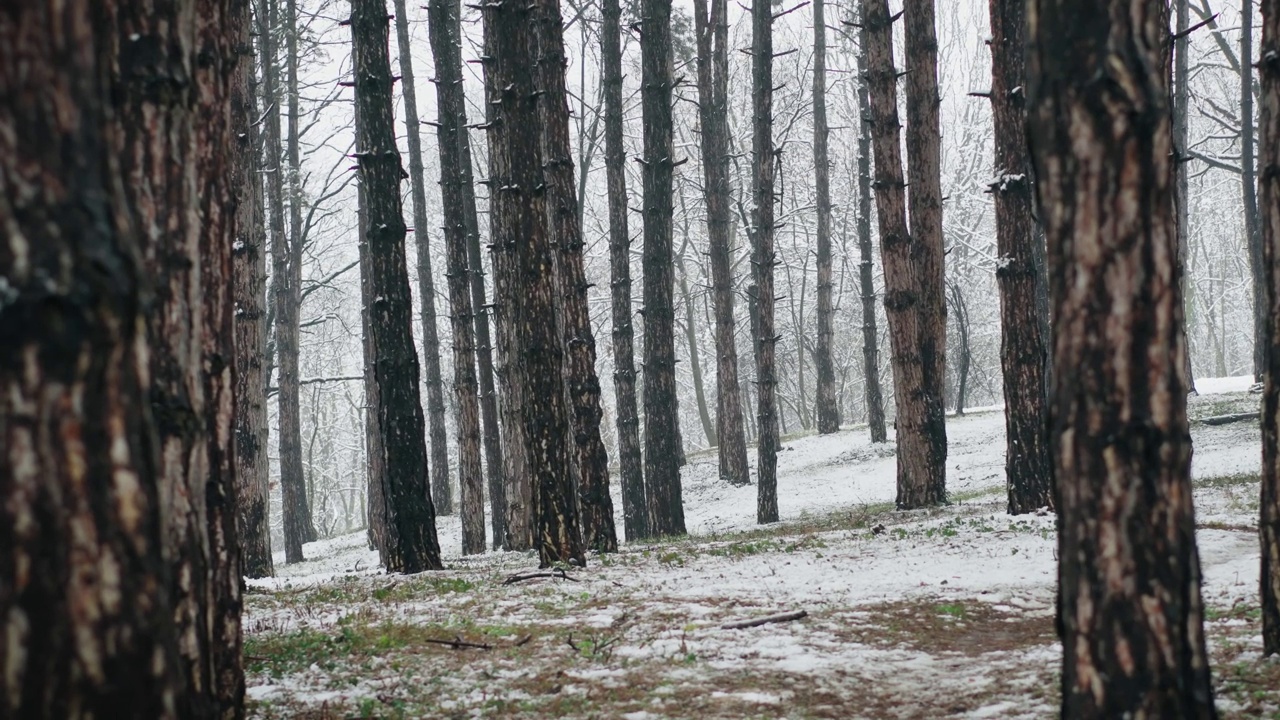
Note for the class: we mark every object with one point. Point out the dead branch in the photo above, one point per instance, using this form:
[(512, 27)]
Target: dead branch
[(1228, 419), (557, 573), (779, 618), (457, 643)]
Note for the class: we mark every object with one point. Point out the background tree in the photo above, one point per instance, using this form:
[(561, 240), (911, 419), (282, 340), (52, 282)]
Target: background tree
[(410, 544), (1023, 350), (1269, 187), (827, 409), (1102, 152), (1248, 189)]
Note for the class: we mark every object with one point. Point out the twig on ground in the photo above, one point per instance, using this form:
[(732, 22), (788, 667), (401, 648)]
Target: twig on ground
[(521, 577), (457, 643), (779, 618), (1227, 419)]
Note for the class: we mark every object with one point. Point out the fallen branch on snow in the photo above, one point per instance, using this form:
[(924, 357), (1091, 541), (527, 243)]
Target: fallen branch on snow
[(779, 618), (457, 643), (518, 577), (1227, 419)]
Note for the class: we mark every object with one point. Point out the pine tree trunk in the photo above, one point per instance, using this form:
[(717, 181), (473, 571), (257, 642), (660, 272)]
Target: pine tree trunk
[(560, 196), (450, 103), (1248, 188), (927, 485), (897, 251), (712, 31), (1102, 154), (79, 474), (828, 410), (695, 362), (762, 176), (375, 506), (1269, 521), (441, 494), (661, 430), (1028, 465), (249, 273), (866, 282), (1181, 98), (523, 222), (630, 464), (410, 544)]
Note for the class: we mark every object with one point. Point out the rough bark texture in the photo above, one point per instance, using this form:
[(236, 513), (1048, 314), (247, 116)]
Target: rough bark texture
[(561, 203), (762, 176), (630, 463), (249, 272), (712, 31), (79, 474), (661, 433), (1269, 156), (927, 484), (1028, 466), (1130, 613), (536, 322), (450, 103), (898, 255), (866, 264), (825, 405), (441, 494), (410, 545), (1248, 190)]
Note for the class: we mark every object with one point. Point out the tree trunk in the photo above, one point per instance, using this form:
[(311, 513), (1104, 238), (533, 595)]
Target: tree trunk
[(661, 430), (631, 468), (561, 203), (1181, 97), (522, 220), (927, 486), (866, 283), (1269, 522), (1102, 153), (828, 410), (762, 175), (450, 102), (79, 476), (410, 544), (898, 252), (695, 363), (965, 355), (1248, 188), (375, 511), (249, 271), (1023, 347), (712, 31), (441, 494)]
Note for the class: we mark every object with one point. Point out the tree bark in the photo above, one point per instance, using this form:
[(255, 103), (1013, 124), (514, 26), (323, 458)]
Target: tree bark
[(866, 283), (561, 204), (410, 545), (762, 191), (1181, 98), (523, 221), (898, 253), (441, 494), (661, 432), (825, 405), (1101, 143), (249, 271), (80, 475), (928, 485), (630, 463), (1023, 348), (450, 104), (1248, 188), (695, 362), (712, 31), (1269, 521)]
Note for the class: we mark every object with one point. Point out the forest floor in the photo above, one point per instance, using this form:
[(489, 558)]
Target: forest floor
[(939, 613)]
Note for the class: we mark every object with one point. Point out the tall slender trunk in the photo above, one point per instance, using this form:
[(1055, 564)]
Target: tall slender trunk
[(828, 410), (376, 501), (79, 477), (898, 253), (1103, 154), (565, 235), (762, 192), (1248, 189), (630, 463), (712, 31), (866, 275), (410, 544), (522, 221), (1181, 98), (695, 362), (1269, 520), (450, 103), (1023, 347), (661, 432), (249, 272), (928, 485), (441, 494)]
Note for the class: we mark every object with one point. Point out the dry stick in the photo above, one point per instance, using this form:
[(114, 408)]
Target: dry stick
[(535, 575), (779, 618), (1226, 419), (458, 644)]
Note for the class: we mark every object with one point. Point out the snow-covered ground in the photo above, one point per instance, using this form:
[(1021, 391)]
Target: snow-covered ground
[(945, 612)]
